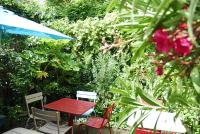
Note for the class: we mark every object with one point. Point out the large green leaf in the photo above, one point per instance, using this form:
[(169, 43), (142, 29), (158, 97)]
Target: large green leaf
[(119, 91), (125, 115), (147, 98), (130, 101)]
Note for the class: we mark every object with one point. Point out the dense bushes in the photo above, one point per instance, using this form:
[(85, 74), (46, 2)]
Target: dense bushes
[(59, 68), (80, 9)]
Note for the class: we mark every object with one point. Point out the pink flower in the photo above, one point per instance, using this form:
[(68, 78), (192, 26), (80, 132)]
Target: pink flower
[(159, 70), (182, 46), (162, 41), (183, 26)]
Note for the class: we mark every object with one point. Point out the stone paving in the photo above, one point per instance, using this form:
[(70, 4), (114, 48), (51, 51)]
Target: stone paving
[(96, 131)]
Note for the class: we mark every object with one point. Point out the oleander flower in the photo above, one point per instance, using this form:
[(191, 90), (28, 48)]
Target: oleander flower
[(162, 41), (159, 70), (182, 46)]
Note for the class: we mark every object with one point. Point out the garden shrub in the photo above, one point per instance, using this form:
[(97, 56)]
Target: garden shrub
[(79, 9)]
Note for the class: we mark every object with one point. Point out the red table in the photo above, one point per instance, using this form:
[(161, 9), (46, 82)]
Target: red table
[(71, 106)]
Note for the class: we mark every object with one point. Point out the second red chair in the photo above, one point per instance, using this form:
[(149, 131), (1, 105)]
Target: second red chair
[(99, 122)]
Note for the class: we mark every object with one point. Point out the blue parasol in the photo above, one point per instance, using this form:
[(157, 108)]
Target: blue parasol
[(14, 24)]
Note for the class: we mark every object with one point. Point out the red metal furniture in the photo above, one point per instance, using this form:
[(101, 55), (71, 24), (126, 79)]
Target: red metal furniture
[(71, 106), (145, 131), (98, 122)]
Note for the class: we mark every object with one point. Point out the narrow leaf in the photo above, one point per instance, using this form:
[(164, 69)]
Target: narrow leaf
[(154, 130), (139, 121), (147, 98), (192, 9), (130, 101), (126, 115)]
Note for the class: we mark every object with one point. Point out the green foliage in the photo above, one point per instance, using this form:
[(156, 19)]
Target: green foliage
[(86, 8), (14, 111), (88, 33), (178, 91), (97, 70), (105, 68), (22, 8), (57, 68), (79, 9)]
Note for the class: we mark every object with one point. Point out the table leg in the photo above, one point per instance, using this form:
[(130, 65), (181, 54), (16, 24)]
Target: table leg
[(70, 121)]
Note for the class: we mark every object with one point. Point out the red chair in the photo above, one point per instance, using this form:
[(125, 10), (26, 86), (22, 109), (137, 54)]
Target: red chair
[(145, 131), (98, 122)]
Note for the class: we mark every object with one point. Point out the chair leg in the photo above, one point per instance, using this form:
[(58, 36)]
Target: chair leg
[(109, 128), (72, 130), (87, 130), (94, 113), (75, 119), (27, 122), (79, 128), (100, 130)]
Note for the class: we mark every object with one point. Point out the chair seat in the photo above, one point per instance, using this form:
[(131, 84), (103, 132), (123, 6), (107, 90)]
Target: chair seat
[(31, 116), (88, 112), (21, 131), (51, 128), (96, 122)]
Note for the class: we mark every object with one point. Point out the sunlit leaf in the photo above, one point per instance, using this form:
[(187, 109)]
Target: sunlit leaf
[(129, 101), (42, 74), (119, 91), (147, 98)]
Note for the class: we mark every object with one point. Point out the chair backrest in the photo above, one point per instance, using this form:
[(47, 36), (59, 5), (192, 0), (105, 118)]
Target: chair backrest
[(108, 111), (46, 115), (33, 98), (86, 95)]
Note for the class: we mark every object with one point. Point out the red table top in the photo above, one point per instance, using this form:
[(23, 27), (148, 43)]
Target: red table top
[(71, 106)]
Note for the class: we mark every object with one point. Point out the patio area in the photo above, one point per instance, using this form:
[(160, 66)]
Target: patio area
[(95, 131), (83, 129)]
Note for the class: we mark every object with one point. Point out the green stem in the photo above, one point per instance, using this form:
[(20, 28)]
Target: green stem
[(1, 33), (192, 10)]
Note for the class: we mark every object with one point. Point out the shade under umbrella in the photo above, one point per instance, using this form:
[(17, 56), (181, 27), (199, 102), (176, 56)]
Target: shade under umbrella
[(14, 24)]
